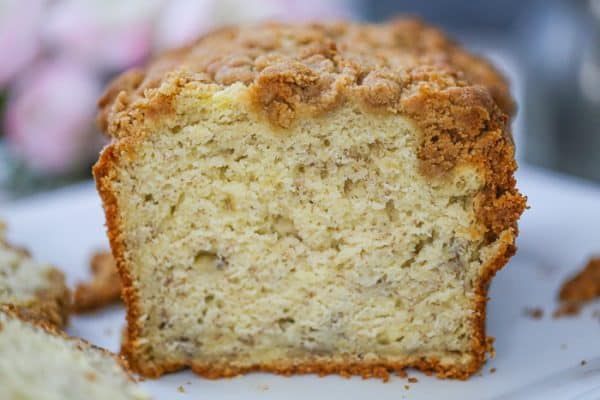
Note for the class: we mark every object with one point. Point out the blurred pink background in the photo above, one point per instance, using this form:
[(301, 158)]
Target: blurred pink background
[(57, 56)]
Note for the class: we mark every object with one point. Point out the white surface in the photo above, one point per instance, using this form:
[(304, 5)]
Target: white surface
[(535, 358)]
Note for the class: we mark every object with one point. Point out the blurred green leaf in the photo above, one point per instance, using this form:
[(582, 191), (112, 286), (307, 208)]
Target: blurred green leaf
[(18, 180), (3, 101)]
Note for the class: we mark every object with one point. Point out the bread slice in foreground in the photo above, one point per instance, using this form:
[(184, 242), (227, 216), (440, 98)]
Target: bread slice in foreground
[(318, 198), (38, 363), (36, 288)]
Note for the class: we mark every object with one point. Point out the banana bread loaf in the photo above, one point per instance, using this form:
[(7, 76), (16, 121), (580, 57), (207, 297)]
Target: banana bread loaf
[(322, 198)]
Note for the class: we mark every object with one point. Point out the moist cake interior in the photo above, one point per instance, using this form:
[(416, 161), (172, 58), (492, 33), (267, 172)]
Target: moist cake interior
[(252, 246)]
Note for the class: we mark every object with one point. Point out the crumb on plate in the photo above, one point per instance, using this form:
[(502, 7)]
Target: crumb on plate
[(103, 289), (533, 312), (579, 290)]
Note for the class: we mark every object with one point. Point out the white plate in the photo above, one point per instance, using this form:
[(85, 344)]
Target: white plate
[(535, 358)]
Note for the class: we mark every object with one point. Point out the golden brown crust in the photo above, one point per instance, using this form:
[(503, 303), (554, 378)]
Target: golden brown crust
[(579, 290), (104, 172), (482, 344), (346, 369), (463, 125), (104, 288), (364, 369), (459, 102), (583, 287), (313, 65), (18, 313)]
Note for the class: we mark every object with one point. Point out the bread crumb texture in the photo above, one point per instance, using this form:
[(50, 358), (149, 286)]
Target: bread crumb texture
[(579, 290), (39, 363), (37, 289), (584, 286), (309, 199)]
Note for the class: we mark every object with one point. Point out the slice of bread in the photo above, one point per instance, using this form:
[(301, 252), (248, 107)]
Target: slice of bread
[(37, 289), (313, 198), (103, 289), (37, 362)]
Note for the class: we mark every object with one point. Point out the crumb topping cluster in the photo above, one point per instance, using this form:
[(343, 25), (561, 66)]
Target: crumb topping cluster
[(460, 102), (319, 65)]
